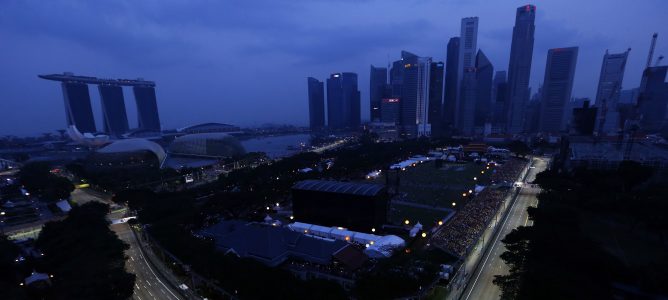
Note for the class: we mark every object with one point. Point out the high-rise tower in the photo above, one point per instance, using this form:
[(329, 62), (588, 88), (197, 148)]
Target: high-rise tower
[(377, 85), (77, 106), (343, 101), (147, 107), (484, 75), (466, 85), (519, 69), (557, 87), (608, 92), (115, 119), (450, 105), (316, 104), (435, 104)]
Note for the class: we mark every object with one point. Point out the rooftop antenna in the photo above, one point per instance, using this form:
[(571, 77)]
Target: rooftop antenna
[(651, 50)]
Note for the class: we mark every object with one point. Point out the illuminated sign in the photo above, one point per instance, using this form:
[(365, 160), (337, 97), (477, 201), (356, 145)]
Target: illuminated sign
[(391, 100)]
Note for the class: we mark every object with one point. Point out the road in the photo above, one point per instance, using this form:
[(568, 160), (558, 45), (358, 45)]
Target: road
[(148, 285), (481, 285)]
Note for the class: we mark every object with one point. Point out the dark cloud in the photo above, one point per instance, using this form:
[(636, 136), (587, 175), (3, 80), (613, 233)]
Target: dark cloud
[(245, 62)]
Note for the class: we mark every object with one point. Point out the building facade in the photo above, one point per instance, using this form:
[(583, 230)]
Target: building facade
[(557, 87), (414, 104), (653, 99), (343, 101), (78, 109), (115, 118), (316, 103), (499, 98), (147, 108), (435, 115), (519, 68), (483, 105), (608, 92), (377, 85), (450, 104), (466, 86)]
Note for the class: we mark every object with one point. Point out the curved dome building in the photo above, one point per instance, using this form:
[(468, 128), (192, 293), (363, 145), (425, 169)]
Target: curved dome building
[(128, 153), (216, 145), (209, 128)]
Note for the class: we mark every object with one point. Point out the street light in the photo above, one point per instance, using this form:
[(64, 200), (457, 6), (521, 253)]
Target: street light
[(453, 203), (470, 191), (407, 222), (475, 178), (441, 222), (424, 234), (373, 229), (463, 194)]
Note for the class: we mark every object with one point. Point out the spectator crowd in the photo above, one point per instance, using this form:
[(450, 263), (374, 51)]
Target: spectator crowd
[(463, 230)]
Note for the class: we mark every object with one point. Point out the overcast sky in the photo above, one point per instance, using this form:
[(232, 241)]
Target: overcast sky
[(246, 62)]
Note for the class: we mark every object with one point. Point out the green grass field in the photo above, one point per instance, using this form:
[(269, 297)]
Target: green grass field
[(425, 184), (427, 217)]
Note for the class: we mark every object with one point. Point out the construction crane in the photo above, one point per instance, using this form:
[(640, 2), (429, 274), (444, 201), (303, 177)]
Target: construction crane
[(651, 49)]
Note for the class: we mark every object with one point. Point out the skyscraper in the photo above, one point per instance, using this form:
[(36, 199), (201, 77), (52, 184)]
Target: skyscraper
[(519, 69), (557, 87), (450, 104), (389, 110), (608, 93), (469, 42), (653, 99), (435, 115), (466, 85), (343, 101), (414, 102), (115, 119), (499, 98), (77, 106), (467, 98), (147, 107), (316, 104), (377, 85), (483, 105)]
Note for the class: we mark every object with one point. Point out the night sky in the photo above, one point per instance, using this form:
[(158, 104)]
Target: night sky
[(246, 62)]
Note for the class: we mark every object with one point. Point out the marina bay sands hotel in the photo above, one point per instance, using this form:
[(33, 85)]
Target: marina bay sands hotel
[(80, 113)]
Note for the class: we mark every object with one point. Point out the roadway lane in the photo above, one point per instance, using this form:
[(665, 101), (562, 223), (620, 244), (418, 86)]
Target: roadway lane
[(481, 285), (148, 285)]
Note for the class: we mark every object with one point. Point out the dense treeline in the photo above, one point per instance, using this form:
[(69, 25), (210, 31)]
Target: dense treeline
[(174, 217), (124, 178), (84, 258), (11, 273), (39, 181), (596, 235)]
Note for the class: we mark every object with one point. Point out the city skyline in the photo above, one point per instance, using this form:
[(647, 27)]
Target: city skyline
[(158, 50)]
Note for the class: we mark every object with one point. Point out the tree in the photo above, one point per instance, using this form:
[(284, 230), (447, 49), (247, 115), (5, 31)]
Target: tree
[(39, 181), (519, 148), (11, 274), (134, 199), (86, 258)]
